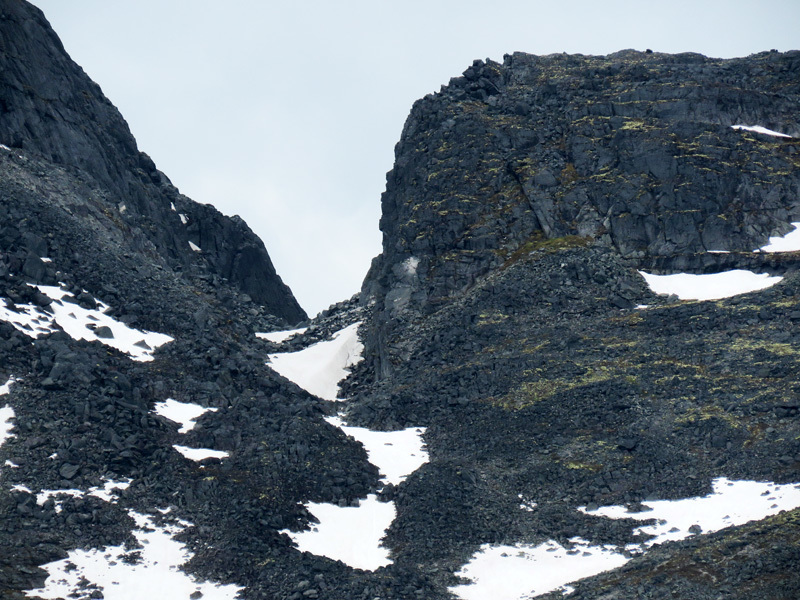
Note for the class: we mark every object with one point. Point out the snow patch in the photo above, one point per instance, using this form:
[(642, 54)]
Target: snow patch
[(194, 247), (351, 534), (6, 414), (106, 492), (184, 413), (155, 574), (713, 286), (731, 503), (172, 207), (760, 129), (397, 454), (277, 337), (184, 220), (6, 387), (4, 147), (410, 265), (81, 323), (27, 318), (319, 368), (45, 495), (198, 454), (523, 571), (787, 243)]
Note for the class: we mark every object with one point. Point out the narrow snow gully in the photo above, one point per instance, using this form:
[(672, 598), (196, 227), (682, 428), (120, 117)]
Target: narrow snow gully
[(351, 534), (319, 368)]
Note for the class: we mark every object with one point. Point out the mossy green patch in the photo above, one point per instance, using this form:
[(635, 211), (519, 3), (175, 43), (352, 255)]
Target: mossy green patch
[(539, 243)]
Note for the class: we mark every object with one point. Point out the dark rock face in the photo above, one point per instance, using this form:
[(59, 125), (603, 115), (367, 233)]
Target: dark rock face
[(633, 150), (523, 199), (51, 111)]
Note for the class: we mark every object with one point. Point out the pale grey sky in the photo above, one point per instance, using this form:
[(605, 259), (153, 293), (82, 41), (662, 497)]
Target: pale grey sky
[(287, 113)]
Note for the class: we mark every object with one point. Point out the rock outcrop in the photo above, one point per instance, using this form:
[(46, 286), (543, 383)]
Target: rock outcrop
[(509, 317), (635, 150), (52, 113)]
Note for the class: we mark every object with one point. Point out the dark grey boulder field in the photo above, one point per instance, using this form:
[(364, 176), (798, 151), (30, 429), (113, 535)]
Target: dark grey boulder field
[(502, 315)]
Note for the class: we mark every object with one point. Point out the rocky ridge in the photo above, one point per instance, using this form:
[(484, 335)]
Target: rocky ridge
[(524, 197), (634, 150), (57, 124)]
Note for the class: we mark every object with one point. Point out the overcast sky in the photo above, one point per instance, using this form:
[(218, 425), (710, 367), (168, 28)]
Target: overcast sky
[(286, 113)]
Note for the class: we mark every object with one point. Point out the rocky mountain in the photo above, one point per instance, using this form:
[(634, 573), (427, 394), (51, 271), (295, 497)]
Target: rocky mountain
[(506, 324), (53, 113)]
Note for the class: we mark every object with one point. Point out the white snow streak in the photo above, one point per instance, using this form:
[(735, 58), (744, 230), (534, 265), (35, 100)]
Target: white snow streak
[(194, 247), (318, 369), (80, 323), (523, 571), (198, 454), (6, 413), (787, 243), (184, 413), (155, 575), (712, 286), (276, 337), (27, 318), (760, 129), (106, 492)]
